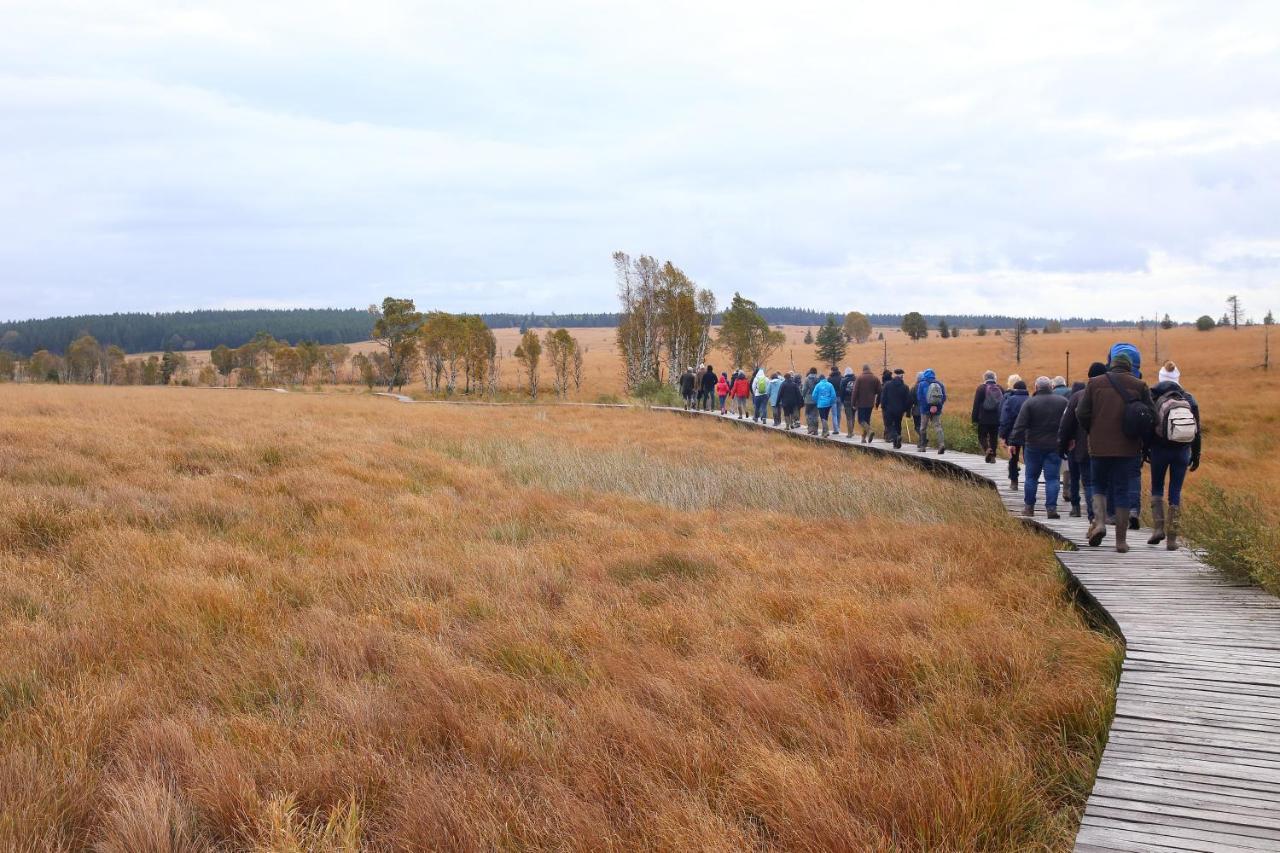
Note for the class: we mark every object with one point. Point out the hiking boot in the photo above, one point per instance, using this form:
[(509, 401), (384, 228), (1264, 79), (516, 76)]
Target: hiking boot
[(991, 457), (1075, 511), (1157, 521), (897, 444), (1028, 511), (1171, 526), (1098, 525), (1013, 484), (941, 450), (920, 448), (1134, 523), (871, 436), (1122, 530), (1052, 513)]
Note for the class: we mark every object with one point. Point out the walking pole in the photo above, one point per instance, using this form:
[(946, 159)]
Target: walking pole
[(1068, 368)]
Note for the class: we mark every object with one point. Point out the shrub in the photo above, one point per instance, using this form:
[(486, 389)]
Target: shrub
[(657, 393), (1205, 323), (1235, 534)]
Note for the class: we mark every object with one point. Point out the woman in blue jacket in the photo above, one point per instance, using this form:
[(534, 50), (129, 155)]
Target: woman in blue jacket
[(1013, 401), (824, 397)]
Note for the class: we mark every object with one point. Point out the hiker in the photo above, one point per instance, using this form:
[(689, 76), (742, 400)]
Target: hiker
[(687, 380), (895, 402), (741, 391), (775, 385), (1116, 409), (810, 408), (759, 396), (1073, 443), (931, 396), (835, 379), (1060, 387), (707, 391), (824, 398), (790, 398), (915, 405), (845, 392), (1036, 430), (722, 391), (1014, 398), (988, 401), (866, 398), (1173, 450), (1135, 475)]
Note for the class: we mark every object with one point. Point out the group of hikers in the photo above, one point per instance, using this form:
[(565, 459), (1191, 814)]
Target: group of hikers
[(1104, 429)]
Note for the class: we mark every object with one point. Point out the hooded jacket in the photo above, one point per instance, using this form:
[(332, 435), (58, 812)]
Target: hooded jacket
[(709, 380), (866, 391), (741, 387), (810, 382), (927, 378), (1101, 412), (760, 384), (895, 398), (1038, 421), (824, 393), (722, 386), (845, 388), (1135, 357), (1013, 403), (775, 384)]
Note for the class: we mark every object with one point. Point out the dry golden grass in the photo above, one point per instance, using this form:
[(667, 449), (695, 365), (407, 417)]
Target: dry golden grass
[(266, 622)]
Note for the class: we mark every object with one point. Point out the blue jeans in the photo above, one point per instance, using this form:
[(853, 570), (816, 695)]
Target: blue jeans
[(1048, 462), (760, 404), (1111, 477), (835, 416), (1174, 462), (1081, 473), (1129, 491)]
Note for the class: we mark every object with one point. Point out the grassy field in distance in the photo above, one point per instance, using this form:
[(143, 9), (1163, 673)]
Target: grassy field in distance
[(325, 622)]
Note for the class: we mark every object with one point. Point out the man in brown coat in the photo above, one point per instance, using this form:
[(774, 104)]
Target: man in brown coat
[(866, 397), (1112, 453)]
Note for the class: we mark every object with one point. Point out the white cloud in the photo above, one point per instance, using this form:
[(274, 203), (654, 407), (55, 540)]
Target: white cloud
[(1086, 159)]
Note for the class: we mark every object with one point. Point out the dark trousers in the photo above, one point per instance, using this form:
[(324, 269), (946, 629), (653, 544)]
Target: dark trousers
[(892, 426), (1080, 473), (1172, 461), (1111, 478), (1015, 453), (989, 437), (1127, 493), (791, 415)]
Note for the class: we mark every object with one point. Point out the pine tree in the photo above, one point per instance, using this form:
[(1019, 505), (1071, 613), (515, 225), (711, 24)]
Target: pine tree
[(831, 343), (944, 331)]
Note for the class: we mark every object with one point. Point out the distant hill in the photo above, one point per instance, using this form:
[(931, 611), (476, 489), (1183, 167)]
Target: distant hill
[(206, 329)]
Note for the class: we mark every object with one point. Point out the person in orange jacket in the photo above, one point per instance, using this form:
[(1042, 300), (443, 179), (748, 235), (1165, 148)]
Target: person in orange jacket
[(722, 390), (741, 393)]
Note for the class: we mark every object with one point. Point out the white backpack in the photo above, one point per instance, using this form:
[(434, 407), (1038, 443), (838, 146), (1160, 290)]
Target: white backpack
[(1174, 419)]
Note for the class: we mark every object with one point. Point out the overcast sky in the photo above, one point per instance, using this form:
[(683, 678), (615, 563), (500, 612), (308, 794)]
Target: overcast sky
[(1117, 159)]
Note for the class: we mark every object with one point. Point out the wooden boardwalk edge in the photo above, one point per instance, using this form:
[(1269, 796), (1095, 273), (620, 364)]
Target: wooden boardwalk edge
[(1192, 761)]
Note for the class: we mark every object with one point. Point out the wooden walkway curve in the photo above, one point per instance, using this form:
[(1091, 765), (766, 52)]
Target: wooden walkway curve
[(1193, 758)]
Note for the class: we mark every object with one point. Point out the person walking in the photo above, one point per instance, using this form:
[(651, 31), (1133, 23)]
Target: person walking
[(1135, 474), (1014, 399), (845, 392), (775, 385), (1173, 450), (722, 391), (866, 397), (931, 396), (1073, 444), (895, 402), (915, 405), (1113, 410), (988, 401), (1036, 430), (741, 392), (687, 380), (708, 388), (1060, 387), (824, 398), (835, 380), (790, 398), (760, 396), (811, 408)]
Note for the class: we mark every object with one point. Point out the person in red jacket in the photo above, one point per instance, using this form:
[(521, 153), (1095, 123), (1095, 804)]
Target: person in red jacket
[(722, 390), (741, 393)]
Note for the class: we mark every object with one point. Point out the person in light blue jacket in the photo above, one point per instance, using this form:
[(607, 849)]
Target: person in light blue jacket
[(824, 397), (775, 384), (931, 396)]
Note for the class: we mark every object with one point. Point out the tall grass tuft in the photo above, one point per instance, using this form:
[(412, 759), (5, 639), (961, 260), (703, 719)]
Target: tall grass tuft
[(1235, 533)]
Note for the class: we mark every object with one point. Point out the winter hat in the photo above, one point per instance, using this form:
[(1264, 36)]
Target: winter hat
[(1122, 359), (1020, 385), (1097, 369), (898, 371), (1044, 383), (1170, 372)]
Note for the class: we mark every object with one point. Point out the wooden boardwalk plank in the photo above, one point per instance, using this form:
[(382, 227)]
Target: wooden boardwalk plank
[(1193, 758)]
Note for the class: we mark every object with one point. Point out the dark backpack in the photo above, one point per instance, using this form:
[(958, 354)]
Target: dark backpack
[(1139, 419), (994, 399)]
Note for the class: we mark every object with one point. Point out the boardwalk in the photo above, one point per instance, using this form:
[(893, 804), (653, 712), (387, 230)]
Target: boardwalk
[(1193, 760)]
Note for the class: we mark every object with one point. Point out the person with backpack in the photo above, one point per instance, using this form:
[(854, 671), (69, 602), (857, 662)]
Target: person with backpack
[(931, 396), (741, 393), (866, 397), (1118, 412), (775, 385), (759, 396), (824, 398), (988, 401), (687, 380), (1173, 450), (1036, 430), (1135, 475), (1073, 444), (790, 398), (1013, 402), (845, 392), (810, 407), (895, 402)]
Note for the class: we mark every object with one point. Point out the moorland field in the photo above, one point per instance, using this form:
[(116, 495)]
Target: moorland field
[(241, 620)]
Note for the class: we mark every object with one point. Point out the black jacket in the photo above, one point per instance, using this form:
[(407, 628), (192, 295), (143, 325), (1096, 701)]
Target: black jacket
[(844, 390), (895, 398), (1039, 420), (980, 415), (686, 383), (789, 394), (1070, 429), (709, 380), (1159, 391)]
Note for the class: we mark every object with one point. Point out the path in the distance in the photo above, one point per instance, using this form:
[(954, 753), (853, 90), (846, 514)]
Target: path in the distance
[(1193, 759)]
